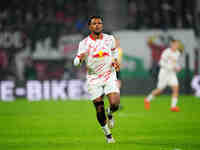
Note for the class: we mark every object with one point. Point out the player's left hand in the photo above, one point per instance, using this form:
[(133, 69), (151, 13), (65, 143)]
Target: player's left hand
[(116, 65)]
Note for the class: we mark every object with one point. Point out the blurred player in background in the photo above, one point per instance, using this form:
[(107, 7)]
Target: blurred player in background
[(157, 46), (119, 82), (99, 51), (167, 74)]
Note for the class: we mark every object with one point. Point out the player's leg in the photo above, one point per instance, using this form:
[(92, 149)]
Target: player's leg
[(162, 83), (100, 110), (175, 93), (112, 91), (114, 101), (101, 117), (174, 100), (151, 96), (96, 93)]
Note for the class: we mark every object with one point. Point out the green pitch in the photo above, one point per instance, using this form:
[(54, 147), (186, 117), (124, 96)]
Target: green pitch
[(72, 125)]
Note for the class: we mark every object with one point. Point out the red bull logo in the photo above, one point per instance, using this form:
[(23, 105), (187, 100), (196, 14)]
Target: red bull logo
[(100, 54)]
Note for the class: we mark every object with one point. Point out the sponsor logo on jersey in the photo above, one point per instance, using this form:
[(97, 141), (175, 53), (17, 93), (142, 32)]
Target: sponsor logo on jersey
[(100, 54)]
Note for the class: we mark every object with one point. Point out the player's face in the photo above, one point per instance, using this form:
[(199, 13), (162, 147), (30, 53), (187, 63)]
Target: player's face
[(175, 45), (96, 26)]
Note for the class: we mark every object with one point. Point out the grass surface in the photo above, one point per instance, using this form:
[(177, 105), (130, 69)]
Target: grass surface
[(72, 125)]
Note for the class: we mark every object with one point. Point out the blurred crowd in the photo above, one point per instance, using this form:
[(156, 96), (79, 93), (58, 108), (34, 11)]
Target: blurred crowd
[(162, 14), (40, 19), (32, 23), (40, 24)]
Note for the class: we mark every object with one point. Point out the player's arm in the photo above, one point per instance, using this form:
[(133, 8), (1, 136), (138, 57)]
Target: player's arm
[(79, 59), (80, 56), (115, 54)]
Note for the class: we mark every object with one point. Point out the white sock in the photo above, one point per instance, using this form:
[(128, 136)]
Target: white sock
[(106, 130), (150, 97), (174, 101)]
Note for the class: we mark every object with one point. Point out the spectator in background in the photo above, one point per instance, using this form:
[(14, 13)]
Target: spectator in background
[(156, 46), (30, 71), (3, 64), (156, 20), (133, 15), (166, 15), (188, 21), (144, 15), (80, 23)]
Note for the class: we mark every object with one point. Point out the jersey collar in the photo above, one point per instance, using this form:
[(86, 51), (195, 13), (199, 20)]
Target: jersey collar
[(101, 37)]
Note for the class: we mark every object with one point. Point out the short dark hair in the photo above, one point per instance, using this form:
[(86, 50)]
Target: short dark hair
[(94, 17)]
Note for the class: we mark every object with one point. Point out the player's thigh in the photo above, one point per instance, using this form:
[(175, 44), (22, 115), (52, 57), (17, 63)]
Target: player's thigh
[(173, 81), (111, 87), (95, 91), (162, 81), (114, 98)]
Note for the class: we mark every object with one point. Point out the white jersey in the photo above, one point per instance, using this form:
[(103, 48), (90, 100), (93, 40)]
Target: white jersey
[(167, 74), (99, 54), (169, 60)]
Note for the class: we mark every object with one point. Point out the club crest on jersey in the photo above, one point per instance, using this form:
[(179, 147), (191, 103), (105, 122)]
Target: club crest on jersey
[(100, 54)]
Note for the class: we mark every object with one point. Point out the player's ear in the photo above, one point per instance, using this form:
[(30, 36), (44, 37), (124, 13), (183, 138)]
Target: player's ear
[(89, 27)]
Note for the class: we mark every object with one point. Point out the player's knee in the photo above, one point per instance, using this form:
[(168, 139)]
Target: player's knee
[(101, 117), (115, 99), (99, 106)]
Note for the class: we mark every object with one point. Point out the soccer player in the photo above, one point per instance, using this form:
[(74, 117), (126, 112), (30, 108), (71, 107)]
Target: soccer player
[(167, 75), (99, 51)]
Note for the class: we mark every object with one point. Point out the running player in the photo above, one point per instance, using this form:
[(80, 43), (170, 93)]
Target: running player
[(99, 52), (167, 75)]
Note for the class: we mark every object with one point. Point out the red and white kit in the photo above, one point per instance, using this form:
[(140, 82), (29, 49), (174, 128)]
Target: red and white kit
[(168, 63), (101, 75)]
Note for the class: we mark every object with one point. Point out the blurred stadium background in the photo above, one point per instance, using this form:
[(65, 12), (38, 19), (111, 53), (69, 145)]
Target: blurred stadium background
[(38, 40)]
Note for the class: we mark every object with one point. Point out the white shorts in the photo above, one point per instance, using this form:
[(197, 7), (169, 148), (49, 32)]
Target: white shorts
[(166, 78), (97, 90)]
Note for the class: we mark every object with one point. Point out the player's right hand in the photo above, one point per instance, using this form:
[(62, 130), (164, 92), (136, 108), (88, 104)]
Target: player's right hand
[(82, 56), (79, 59), (116, 65)]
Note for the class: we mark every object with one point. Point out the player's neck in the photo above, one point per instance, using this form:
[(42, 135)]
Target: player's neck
[(173, 49), (96, 36)]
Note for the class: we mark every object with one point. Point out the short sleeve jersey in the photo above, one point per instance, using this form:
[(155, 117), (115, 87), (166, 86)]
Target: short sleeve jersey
[(169, 59), (98, 57)]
